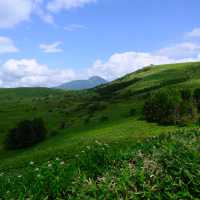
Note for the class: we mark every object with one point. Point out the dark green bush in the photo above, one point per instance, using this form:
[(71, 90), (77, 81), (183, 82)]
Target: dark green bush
[(104, 119), (163, 107), (132, 112), (26, 134), (170, 107)]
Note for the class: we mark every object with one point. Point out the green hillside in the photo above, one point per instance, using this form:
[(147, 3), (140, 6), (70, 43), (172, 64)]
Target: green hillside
[(111, 113)]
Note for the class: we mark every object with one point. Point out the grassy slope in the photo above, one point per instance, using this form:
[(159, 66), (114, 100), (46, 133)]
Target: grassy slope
[(56, 105)]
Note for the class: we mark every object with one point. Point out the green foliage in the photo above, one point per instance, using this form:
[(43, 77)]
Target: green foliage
[(104, 118), (162, 107), (162, 167), (26, 134), (132, 112), (170, 107)]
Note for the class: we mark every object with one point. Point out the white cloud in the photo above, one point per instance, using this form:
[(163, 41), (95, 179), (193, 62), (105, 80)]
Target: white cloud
[(194, 33), (30, 73), (13, 12), (181, 50), (7, 45), (74, 27), (57, 5), (51, 48)]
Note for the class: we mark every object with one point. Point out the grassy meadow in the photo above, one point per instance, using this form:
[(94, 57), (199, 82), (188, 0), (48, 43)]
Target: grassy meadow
[(99, 145)]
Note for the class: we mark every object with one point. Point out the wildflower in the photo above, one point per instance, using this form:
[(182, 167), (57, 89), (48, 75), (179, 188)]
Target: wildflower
[(62, 163), (49, 165), (82, 151), (19, 176), (97, 142), (36, 169), (31, 163), (57, 159)]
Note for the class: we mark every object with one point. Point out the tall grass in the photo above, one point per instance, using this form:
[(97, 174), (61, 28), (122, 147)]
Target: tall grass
[(161, 167)]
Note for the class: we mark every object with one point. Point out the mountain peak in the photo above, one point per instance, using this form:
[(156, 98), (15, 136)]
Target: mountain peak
[(83, 84)]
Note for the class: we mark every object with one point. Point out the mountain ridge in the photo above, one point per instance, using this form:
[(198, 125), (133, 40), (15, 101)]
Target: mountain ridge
[(83, 84)]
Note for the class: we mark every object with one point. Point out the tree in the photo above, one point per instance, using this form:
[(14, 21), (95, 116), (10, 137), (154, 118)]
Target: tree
[(26, 134)]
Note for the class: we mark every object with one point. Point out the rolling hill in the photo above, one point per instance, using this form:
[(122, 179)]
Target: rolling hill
[(101, 113)]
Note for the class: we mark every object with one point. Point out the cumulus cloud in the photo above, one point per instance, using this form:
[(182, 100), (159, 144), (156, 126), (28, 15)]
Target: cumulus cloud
[(51, 48), (57, 5), (194, 33), (7, 45), (14, 11), (30, 73), (181, 50)]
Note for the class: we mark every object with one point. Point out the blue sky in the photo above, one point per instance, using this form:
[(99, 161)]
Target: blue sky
[(47, 42)]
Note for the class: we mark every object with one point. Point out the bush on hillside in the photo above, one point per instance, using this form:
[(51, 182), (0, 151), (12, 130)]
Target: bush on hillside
[(132, 112), (170, 107), (104, 118), (26, 134), (163, 107)]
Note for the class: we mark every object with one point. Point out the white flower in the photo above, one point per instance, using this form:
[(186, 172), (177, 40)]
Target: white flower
[(19, 176), (49, 165), (57, 159), (38, 175), (82, 151), (62, 162), (31, 163), (36, 169), (151, 176)]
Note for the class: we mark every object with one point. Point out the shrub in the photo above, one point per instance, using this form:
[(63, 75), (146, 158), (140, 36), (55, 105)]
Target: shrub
[(170, 107), (104, 119), (132, 112), (162, 107), (25, 134)]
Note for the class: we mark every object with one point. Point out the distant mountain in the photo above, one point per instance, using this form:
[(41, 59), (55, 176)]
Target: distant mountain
[(83, 84)]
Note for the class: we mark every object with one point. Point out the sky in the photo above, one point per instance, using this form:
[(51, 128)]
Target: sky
[(49, 42)]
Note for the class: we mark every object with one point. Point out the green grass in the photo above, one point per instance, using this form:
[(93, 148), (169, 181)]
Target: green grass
[(166, 166), (66, 145)]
